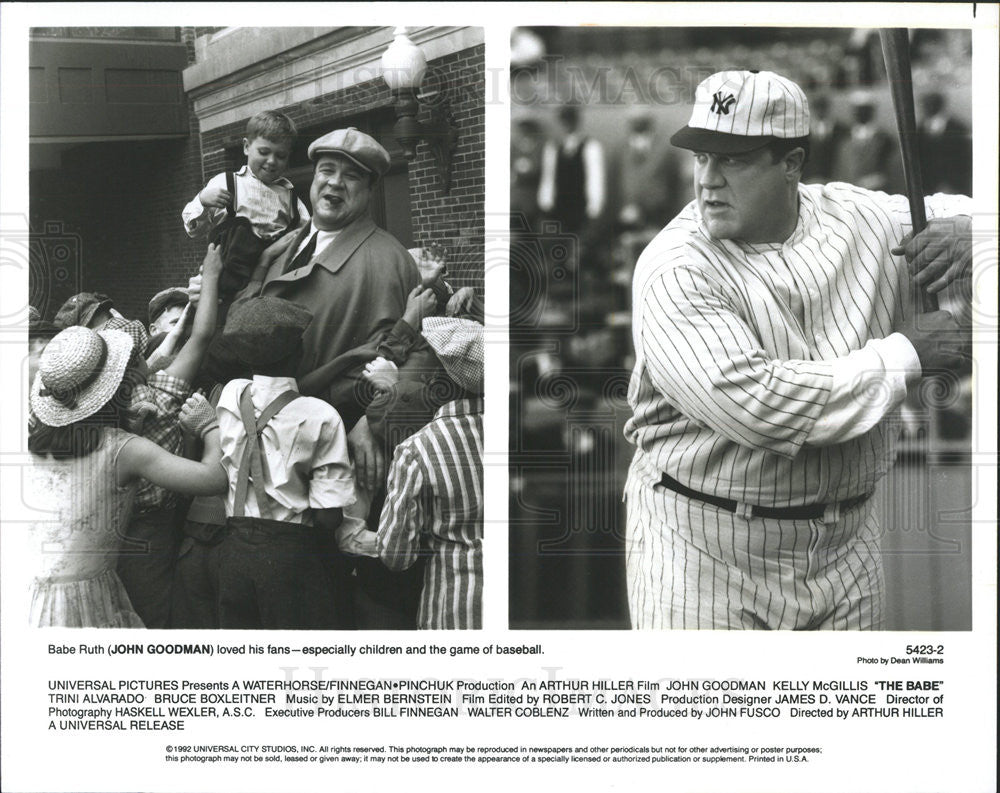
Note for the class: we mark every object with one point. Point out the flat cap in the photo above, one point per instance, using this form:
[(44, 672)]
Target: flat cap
[(133, 327), (164, 299), (356, 146), (264, 330), (458, 344), (80, 309)]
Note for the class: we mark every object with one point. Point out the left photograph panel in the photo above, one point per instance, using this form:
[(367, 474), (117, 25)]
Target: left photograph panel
[(254, 385)]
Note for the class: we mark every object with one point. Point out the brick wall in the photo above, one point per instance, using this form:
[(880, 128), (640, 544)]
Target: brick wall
[(454, 220), (115, 207), (119, 204)]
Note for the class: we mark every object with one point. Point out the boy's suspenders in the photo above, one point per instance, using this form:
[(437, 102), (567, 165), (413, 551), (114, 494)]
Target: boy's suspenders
[(231, 187), (231, 206), (252, 464)]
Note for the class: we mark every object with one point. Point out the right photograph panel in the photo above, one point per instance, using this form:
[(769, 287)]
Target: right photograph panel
[(740, 329)]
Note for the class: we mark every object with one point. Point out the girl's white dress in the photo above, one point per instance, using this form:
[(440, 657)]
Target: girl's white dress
[(75, 550)]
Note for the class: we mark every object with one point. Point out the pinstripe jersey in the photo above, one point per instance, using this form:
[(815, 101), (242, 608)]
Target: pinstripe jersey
[(736, 346), (434, 506)]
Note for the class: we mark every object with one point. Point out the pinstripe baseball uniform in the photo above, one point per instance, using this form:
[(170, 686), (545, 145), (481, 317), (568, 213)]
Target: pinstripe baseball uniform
[(434, 502), (747, 362)]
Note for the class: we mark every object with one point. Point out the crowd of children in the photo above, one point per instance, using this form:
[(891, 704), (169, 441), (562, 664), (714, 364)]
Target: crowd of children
[(182, 498)]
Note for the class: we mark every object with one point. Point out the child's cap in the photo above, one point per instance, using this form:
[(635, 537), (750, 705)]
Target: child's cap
[(79, 371), (358, 147), (80, 309), (458, 344), (134, 328), (264, 330), (164, 299)]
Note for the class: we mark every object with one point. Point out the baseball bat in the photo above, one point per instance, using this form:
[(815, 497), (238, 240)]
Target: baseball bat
[(896, 52)]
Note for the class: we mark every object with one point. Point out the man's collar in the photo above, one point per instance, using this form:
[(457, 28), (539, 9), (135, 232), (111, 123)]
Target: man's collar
[(269, 384), (332, 257), (347, 242)]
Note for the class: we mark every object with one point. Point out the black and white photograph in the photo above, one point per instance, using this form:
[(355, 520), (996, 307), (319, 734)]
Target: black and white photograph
[(498, 396), (255, 383), (741, 382)]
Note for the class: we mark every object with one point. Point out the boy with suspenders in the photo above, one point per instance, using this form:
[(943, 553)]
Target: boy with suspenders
[(289, 478)]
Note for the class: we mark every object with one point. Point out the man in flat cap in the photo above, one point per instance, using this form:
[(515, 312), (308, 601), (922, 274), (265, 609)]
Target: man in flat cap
[(775, 338), (354, 278)]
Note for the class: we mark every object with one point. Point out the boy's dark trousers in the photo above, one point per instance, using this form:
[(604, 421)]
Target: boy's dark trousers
[(196, 577), (274, 574), (146, 564), (241, 247)]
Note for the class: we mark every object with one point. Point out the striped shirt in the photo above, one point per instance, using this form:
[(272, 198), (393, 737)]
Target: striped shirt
[(736, 347), (268, 207), (434, 507)]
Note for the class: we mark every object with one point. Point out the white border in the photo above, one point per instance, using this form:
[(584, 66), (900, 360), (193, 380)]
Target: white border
[(956, 753)]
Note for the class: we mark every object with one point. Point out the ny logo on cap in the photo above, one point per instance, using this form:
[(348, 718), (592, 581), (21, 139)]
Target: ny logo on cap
[(721, 104)]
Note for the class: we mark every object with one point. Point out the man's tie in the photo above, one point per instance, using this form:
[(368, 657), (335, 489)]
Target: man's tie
[(302, 257)]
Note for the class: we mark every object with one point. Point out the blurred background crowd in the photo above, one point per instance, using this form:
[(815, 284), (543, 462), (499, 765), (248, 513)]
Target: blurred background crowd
[(593, 179)]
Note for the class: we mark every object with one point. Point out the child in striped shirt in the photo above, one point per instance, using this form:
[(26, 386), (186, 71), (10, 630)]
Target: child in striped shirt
[(434, 495)]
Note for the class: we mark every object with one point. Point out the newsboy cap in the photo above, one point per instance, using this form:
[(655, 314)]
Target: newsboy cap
[(356, 146), (264, 330), (161, 301), (80, 309)]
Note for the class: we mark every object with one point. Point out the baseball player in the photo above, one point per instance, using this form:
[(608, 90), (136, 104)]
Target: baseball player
[(775, 340)]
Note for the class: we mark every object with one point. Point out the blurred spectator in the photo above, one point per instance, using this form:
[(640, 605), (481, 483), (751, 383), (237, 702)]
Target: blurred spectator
[(572, 188), (648, 176), (945, 148), (526, 143), (825, 136), (868, 156)]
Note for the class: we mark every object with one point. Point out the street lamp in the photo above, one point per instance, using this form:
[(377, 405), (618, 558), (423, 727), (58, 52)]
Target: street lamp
[(403, 68)]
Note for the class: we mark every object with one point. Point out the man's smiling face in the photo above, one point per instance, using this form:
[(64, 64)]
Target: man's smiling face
[(340, 192)]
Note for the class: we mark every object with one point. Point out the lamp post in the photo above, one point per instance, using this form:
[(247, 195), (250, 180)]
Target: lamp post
[(403, 68)]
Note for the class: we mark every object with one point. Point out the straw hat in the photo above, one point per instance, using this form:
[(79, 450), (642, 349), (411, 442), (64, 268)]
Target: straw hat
[(78, 373)]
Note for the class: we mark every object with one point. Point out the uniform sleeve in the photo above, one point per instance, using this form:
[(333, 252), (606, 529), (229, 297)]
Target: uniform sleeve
[(701, 354), (332, 481), (399, 526), (867, 384), (199, 219), (939, 205)]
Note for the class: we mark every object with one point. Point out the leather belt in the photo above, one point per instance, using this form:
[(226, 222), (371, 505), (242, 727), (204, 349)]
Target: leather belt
[(804, 512)]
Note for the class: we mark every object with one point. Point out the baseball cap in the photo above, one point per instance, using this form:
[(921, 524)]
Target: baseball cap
[(164, 299), (264, 330), (739, 111), (358, 147), (80, 309)]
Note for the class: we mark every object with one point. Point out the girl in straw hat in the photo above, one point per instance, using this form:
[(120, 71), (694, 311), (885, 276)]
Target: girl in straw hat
[(86, 469)]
